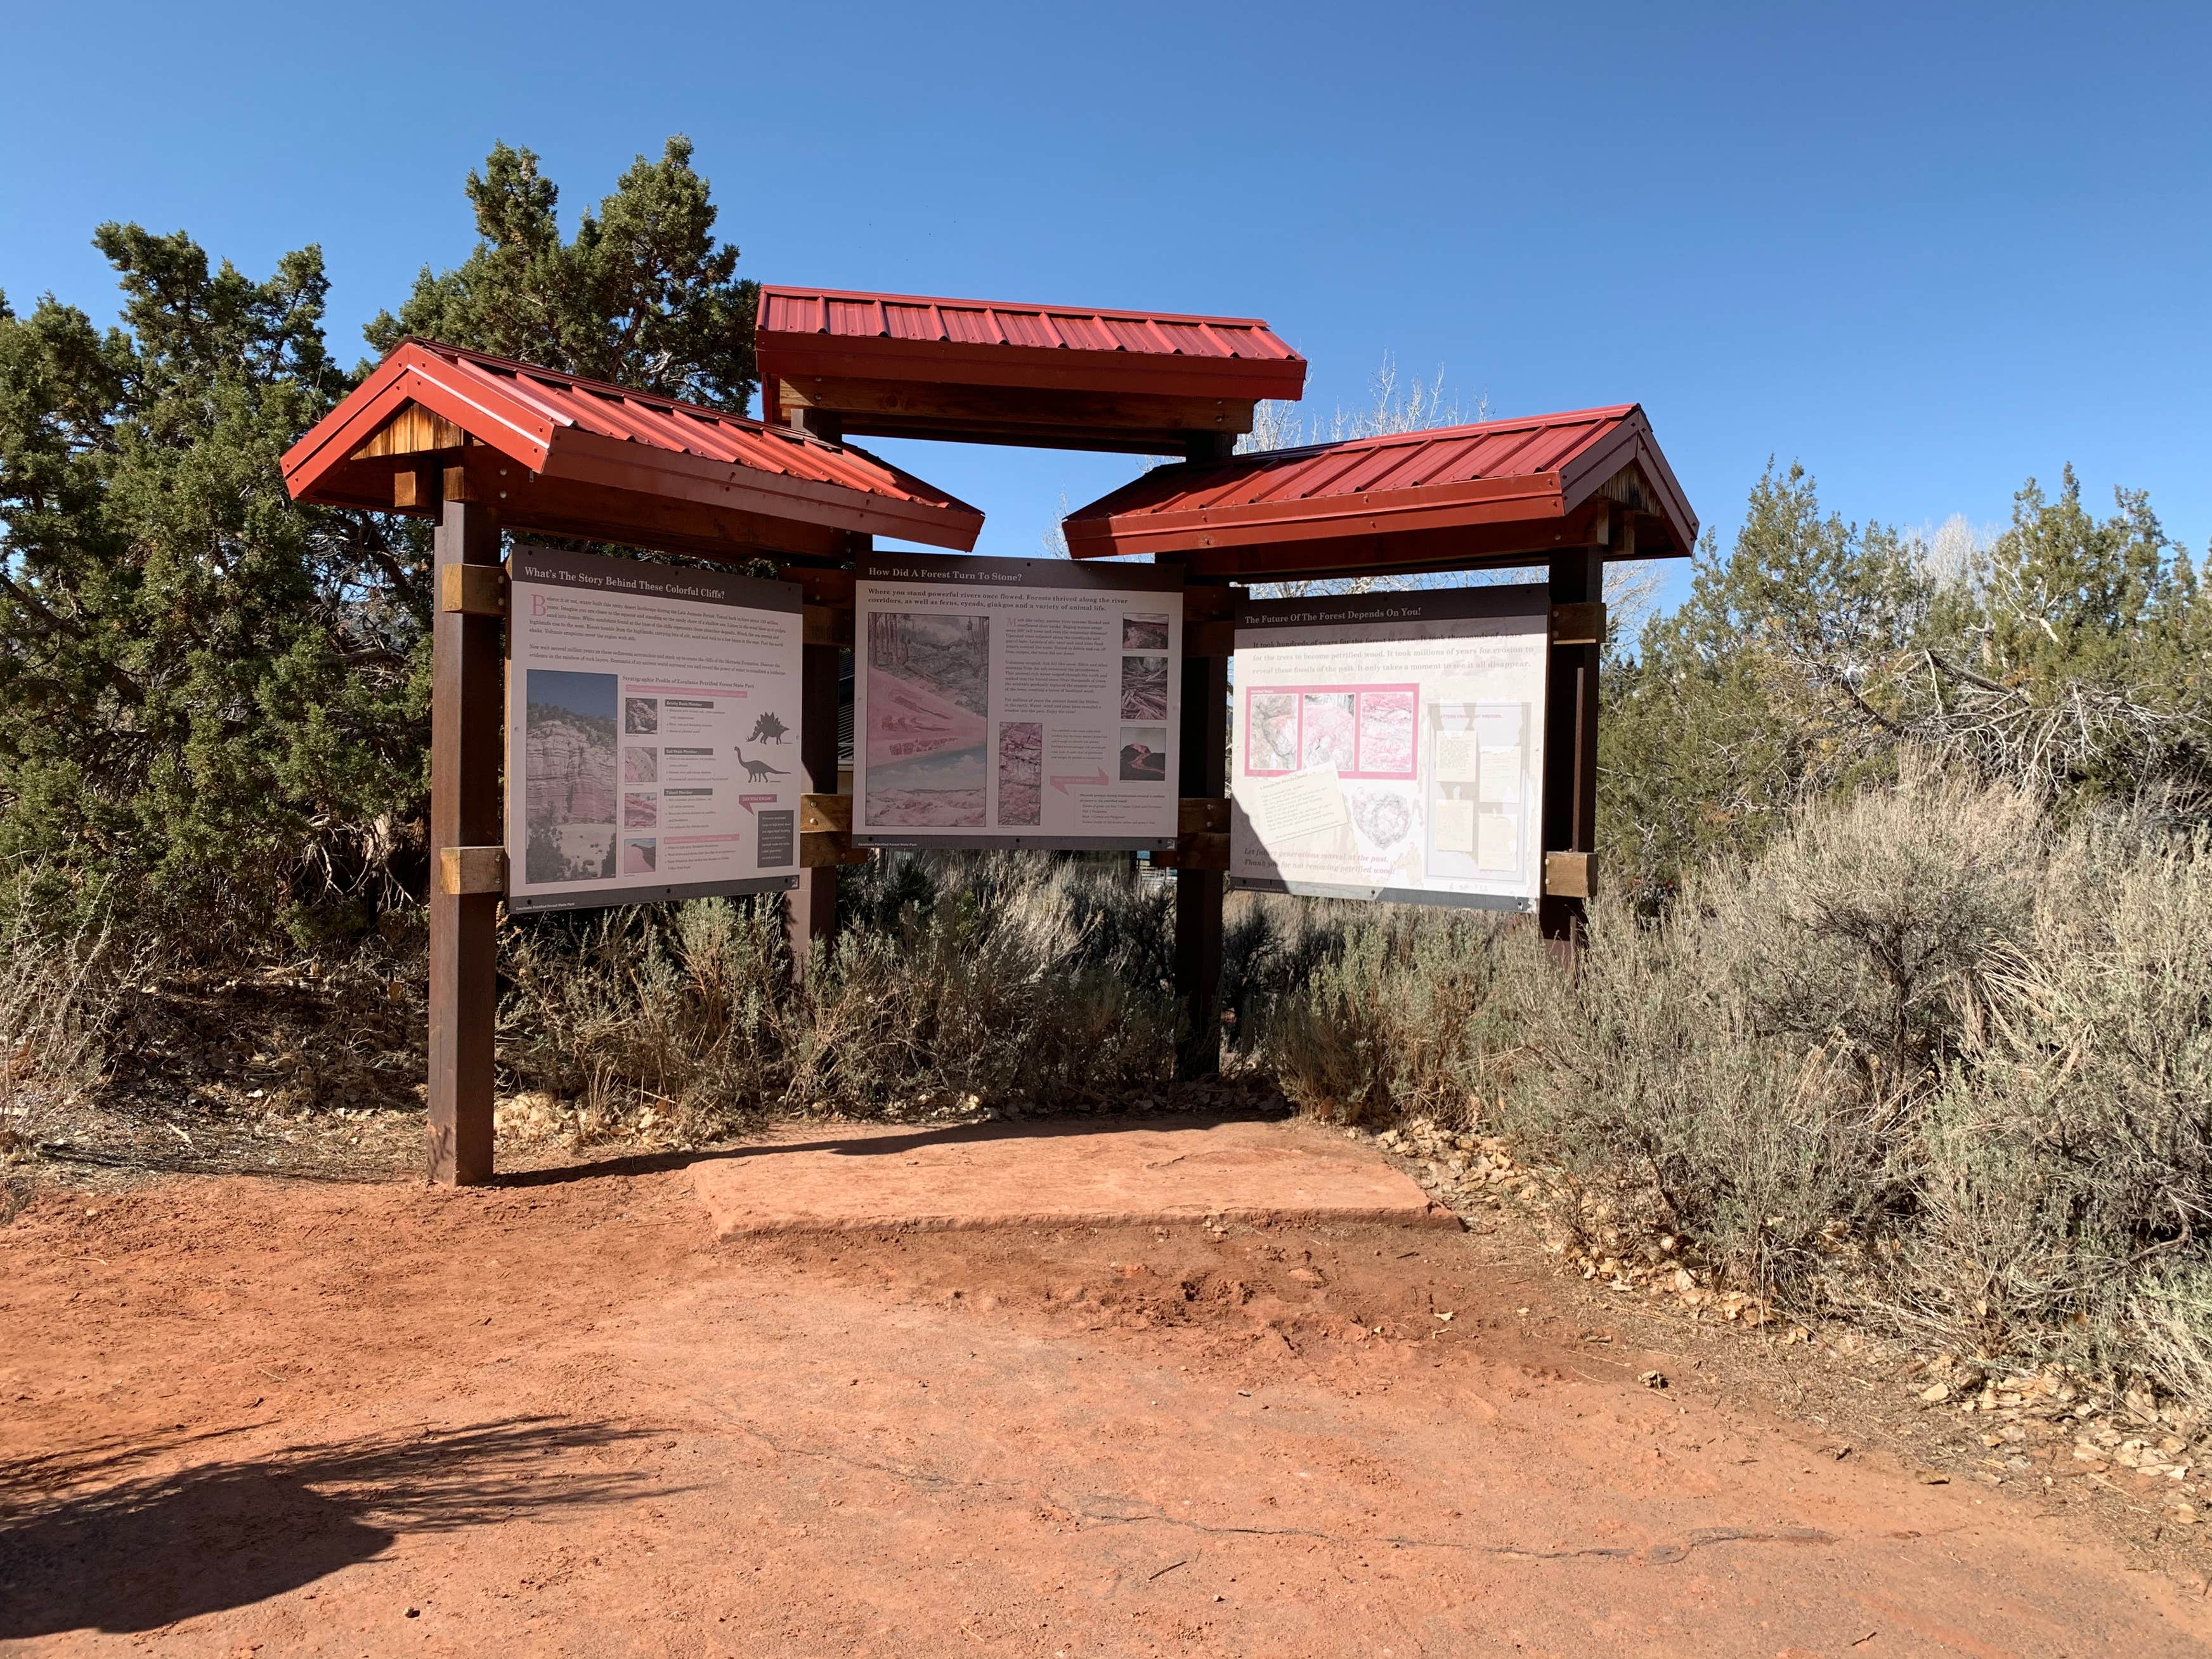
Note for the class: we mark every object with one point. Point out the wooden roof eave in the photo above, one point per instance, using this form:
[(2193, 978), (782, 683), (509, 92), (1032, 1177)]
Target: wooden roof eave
[(614, 463), (1582, 475), (1510, 544), (1534, 496), (659, 486), (1050, 367), (521, 433)]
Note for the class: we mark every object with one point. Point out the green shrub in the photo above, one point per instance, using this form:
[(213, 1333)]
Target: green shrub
[(1011, 981)]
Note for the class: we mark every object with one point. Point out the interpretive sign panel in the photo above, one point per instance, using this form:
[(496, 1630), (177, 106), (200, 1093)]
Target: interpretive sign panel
[(652, 733), (1015, 702), (1390, 746)]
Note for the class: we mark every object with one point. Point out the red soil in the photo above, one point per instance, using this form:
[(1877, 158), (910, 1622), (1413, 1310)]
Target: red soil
[(557, 1417)]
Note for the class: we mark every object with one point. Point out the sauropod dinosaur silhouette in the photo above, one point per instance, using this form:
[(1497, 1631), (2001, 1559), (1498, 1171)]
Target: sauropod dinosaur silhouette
[(758, 771)]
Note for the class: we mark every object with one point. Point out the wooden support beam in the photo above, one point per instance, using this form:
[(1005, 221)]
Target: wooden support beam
[(829, 588), (1209, 639), (1571, 875), (823, 424), (1200, 888), (1252, 557), (472, 870), (1579, 624), (827, 624), (1195, 851), (467, 718), (818, 813), (472, 590), (1571, 711), (825, 849), (1139, 422), (1202, 815), (1210, 604), (811, 908)]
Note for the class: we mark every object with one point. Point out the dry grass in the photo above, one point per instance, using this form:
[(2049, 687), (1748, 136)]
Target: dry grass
[(58, 998), (961, 980), (1934, 1061), (1930, 1062)]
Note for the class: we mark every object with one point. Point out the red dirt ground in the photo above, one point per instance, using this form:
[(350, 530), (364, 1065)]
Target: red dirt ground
[(249, 1417)]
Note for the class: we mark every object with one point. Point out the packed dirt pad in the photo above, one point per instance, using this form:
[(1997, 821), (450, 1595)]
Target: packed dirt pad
[(561, 1417), (1109, 1173)]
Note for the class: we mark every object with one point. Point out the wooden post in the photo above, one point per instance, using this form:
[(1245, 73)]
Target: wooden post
[(810, 912), (1204, 764), (468, 697), (1570, 688)]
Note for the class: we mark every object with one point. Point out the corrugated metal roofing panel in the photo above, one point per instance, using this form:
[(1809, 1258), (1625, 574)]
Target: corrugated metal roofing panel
[(520, 409), (848, 315), (1425, 479)]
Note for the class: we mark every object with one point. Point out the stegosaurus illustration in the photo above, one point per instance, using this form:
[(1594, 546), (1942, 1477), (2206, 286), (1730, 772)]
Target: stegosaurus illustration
[(767, 729)]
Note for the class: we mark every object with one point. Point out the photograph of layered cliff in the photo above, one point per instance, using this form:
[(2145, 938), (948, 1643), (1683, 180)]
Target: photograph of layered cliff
[(929, 692), (1144, 630), (569, 776)]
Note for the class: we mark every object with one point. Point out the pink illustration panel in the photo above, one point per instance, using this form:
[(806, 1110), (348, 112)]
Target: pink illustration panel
[(1363, 730)]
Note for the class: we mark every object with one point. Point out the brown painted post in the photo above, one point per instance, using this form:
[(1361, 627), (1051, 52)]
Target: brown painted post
[(810, 913), (811, 908), (468, 695), (1570, 702), (1204, 772)]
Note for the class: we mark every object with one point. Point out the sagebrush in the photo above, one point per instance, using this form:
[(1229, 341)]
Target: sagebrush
[(1020, 981), (1933, 1060)]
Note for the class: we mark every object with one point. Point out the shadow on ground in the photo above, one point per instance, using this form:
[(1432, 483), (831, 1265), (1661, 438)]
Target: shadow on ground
[(877, 1144), (93, 1538)]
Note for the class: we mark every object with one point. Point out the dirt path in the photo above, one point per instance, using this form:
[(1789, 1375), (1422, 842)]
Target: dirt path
[(244, 1417)]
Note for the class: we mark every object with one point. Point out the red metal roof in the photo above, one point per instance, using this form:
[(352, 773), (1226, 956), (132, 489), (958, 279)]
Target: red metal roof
[(1523, 484), (837, 333), (572, 436)]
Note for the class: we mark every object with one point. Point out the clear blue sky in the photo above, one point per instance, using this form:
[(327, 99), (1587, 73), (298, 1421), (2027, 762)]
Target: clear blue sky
[(1927, 250)]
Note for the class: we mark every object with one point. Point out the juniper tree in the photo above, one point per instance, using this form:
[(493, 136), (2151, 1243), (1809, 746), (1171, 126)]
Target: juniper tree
[(643, 295), (204, 692), (2069, 657), (213, 701)]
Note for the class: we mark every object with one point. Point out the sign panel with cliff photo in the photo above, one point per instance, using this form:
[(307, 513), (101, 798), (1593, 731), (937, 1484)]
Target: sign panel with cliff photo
[(995, 702), (649, 696)]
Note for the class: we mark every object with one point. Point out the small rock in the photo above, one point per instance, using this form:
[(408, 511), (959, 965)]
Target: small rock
[(1936, 1392), (1652, 1379), (1931, 1477)]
